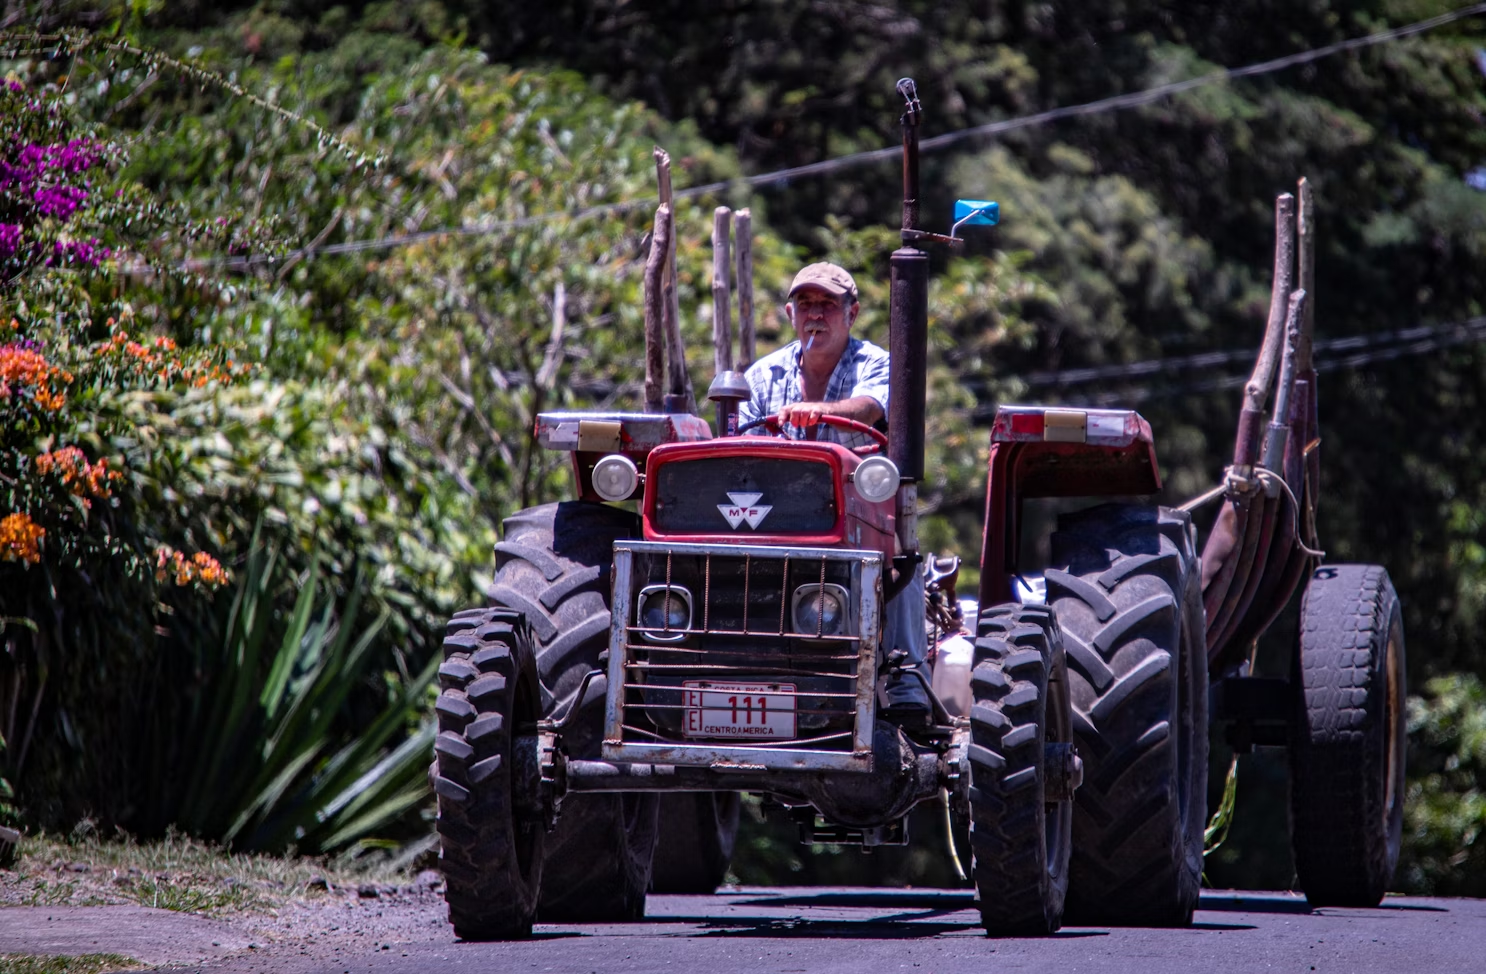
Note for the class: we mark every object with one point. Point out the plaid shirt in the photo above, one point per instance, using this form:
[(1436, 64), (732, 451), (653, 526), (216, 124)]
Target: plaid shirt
[(776, 381)]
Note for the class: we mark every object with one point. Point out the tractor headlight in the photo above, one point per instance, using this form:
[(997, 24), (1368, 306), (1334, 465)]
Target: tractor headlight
[(821, 610), (663, 608), (876, 479), (615, 477)]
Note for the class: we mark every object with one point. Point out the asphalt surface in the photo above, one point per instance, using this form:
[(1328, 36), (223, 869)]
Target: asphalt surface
[(823, 930)]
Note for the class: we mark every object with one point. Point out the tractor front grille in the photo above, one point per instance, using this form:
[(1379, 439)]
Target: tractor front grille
[(742, 683)]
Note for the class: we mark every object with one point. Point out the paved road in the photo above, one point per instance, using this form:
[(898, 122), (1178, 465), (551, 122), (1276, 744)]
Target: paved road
[(817, 930)]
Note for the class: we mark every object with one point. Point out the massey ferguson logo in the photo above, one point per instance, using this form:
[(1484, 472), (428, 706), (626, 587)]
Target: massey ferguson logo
[(744, 507)]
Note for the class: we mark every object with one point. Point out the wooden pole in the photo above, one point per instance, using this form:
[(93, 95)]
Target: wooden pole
[(1279, 426), (655, 297), (1305, 223), (1256, 391), (553, 357), (722, 291), (743, 229), (679, 381)]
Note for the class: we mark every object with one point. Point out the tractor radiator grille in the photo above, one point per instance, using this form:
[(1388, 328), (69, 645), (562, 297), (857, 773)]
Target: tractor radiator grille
[(724, 655)]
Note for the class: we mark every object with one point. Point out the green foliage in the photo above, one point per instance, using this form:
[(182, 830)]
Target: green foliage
[(1445, 810), (389, 425), (272, 762)]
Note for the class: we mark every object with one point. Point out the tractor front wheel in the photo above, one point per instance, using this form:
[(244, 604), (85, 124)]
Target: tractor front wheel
[(1021, 772), (487, 777)]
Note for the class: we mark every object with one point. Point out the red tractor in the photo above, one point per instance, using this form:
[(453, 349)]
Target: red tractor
[(638, 669)]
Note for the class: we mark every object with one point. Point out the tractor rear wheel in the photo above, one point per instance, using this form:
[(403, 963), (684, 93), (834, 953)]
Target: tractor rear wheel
[(700, 829), (1020, 757), (1130, 606), (1347, 749), (486, 777), (553, 566)]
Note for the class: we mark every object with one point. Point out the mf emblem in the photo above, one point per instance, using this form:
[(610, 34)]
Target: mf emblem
[(744, 507)]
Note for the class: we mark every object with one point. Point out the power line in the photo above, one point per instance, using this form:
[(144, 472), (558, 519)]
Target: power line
[(1134, 99), (1471, 328), (1364, 350)]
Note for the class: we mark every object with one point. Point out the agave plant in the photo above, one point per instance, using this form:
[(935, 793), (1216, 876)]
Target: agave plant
[(277, 759)]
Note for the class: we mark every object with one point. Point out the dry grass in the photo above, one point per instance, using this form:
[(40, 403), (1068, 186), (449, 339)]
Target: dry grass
[(176, 873), (84, 964)]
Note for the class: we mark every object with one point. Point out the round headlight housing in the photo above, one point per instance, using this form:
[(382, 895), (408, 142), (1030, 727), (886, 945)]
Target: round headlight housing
[(615, 477), (663, 608), (820, 610), (876, 479)]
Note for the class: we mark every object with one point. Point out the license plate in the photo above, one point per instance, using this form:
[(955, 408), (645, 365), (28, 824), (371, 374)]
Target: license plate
[(760, 711)]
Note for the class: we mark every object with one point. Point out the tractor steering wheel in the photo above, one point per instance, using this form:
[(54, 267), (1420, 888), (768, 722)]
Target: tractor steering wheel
[(772, 424)]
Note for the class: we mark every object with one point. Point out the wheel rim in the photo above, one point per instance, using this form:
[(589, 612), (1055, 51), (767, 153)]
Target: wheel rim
[(1057, 821), (527, 825), (1393, 754)]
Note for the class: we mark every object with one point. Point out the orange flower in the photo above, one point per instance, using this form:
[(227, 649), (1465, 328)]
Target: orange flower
[(27, 367), (20, 539), (200, 568), (84, 479)]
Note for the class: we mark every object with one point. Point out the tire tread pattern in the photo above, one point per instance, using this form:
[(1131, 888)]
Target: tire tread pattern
[(1014, 654), (1344, 852), (488, 895)]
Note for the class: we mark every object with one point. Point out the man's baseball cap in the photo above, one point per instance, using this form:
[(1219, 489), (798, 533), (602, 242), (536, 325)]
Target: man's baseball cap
[(828, 277)]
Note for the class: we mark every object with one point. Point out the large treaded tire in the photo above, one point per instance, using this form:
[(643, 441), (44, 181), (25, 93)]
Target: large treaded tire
[(554, 567), (1130, 607), (1347, 750), (1019, 841), (701, 829), (486, 777)]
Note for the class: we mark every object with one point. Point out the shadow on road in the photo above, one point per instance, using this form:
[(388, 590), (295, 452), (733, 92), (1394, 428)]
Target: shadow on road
[(1235, 903), (902, 927), (949, 900)]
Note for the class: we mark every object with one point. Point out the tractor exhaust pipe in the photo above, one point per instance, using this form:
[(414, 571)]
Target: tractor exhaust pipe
[(908, 336)]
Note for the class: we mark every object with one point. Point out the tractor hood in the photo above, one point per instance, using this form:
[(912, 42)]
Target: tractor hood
[(750, 490)]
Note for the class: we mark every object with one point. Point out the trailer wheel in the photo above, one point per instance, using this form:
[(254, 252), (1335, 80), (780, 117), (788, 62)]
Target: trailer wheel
[(486, 777), (1020, 758), (554, 567), (1130, 606), (700, 829), (1347, 749)]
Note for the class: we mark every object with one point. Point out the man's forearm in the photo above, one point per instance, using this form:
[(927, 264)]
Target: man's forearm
[(863, 409)]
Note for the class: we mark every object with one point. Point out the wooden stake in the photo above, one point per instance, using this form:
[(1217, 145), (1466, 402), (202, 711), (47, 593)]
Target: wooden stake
[(722, 291), (1279, 427), (743, 229), (1257, 390), (553, 356), (1305, 223), (655, 296), (679, 382)]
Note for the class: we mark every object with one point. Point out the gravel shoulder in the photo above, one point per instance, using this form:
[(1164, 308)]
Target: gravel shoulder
[(179, 903)]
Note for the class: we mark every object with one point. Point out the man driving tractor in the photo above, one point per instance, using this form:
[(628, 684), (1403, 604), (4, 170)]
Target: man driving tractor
[(827, 372)]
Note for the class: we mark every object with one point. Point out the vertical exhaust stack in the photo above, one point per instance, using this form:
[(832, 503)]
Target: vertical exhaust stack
[(908, 335)]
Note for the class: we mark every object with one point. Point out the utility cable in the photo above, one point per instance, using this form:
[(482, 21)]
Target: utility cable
[(1468, 330)]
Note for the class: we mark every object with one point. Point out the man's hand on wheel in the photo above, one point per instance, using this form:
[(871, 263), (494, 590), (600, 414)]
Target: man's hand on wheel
[(804, 414)]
